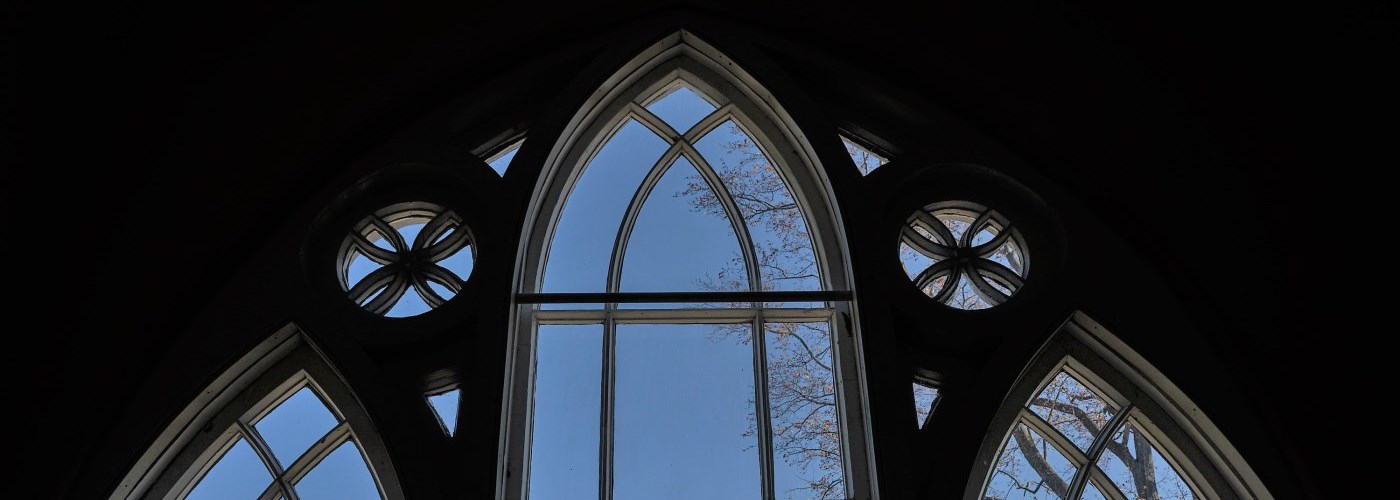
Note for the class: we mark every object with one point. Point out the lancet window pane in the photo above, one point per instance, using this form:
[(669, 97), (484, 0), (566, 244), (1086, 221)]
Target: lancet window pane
[(1030, 467), (582, 245), (786, 260), (1138, 470), (568, 388), (807, 460), (295, 424), (342, 475), (681, 108), (1092, 492), (685, 413), (678, 245), (236, 475), (1074, 409)]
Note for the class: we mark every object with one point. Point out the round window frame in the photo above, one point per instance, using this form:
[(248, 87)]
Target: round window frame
[(971, 211), (397, 216)]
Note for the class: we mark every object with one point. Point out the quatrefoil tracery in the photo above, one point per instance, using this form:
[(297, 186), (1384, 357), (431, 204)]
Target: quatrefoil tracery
[(966, 242), (402, 264)]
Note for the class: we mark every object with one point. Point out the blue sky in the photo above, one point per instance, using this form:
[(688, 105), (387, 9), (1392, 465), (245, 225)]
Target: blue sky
[(685, 424), (289, 430)]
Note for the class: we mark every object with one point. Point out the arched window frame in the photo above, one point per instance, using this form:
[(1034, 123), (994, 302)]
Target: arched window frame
[(738, 95), (1192, 444), (255, 384)]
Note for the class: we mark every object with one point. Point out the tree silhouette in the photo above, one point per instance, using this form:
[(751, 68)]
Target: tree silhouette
[(801, 381), (801, 387), (1030, 467)]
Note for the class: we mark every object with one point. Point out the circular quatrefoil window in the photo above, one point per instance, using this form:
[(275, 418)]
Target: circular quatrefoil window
[(406, 259), (962, 254)]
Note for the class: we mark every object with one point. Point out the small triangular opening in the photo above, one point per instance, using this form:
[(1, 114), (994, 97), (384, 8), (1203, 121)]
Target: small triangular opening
[(444, 405), (501, 160), (865, 159), (925, 398), (681, 108)]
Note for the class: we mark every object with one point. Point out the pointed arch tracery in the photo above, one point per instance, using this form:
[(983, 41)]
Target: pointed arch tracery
[(682, 207)]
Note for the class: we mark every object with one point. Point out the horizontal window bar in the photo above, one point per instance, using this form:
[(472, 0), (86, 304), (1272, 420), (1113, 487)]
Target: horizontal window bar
[(630, 297), (780, 315)]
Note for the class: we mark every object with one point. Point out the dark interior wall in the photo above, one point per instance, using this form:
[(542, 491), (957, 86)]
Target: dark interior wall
[(172, 161)]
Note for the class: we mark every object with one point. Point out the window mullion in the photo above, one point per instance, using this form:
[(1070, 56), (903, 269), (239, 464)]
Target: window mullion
[(708, 123), (1050, 433), (1100, 442), (634, 208), (265, 453), (1104, 484), (328, 443), (763, 417), (273, 492), (731, 208), (655, 123), (608, 409)]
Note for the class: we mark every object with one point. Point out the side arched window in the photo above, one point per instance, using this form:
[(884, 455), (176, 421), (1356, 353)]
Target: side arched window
[(279, 424), (1092, 420)]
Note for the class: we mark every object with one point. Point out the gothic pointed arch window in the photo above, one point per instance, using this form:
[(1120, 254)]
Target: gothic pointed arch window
[(682, 320), (280, 423), (1090, 419)]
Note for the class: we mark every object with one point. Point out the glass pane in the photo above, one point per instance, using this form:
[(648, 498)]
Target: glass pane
[(583, 239), (568, 385), (410, 232), (681, 108), (685, 413), (1073, 409), (460, 263), (1092, 492), (866, 160), (913, 261), (956, 224), (445, 406), (802, 402), (924, 399), (965, 296), (237, 475), (380, 241), (342, 475), (1009, 254), (442, 291), (1029, 467), (680, 245), (360, 266), (295, 425), (776, 223), (1138, 470), (502, 160), (409, 304)]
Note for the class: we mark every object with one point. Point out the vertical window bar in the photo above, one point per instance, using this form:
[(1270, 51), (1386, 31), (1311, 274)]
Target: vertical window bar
[(608, 407), (763, 418), (841, 339)]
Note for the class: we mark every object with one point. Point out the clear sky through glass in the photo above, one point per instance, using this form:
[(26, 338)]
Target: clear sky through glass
[(684, 403), (445, 406), (686, 412)]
